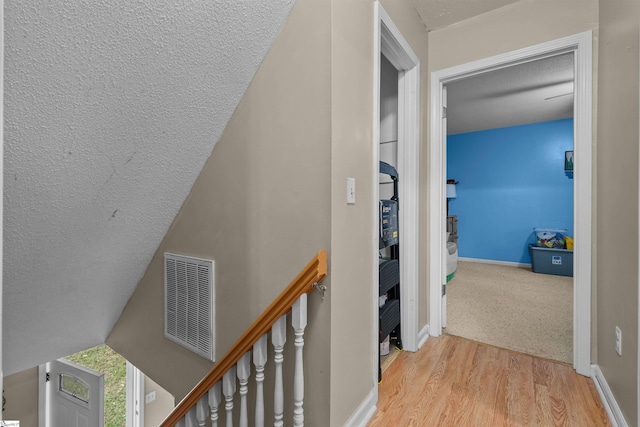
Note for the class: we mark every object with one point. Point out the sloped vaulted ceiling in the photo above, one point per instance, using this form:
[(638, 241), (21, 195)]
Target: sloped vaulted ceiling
[(111, 109)]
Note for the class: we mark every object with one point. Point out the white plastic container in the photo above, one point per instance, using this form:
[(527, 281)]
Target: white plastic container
[(384, 347), (550, 237)]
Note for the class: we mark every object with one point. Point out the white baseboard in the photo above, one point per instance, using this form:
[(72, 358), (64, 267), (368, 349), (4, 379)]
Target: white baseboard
[(608, 400), (423, 335), (493, 261), (365, 411)]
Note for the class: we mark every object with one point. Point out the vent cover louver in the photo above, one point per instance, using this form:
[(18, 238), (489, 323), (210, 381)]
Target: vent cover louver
[(189, 303)]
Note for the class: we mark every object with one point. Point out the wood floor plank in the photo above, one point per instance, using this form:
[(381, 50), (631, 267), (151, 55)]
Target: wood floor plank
[(577, 392), (518, 396), (462, 390), (403, 378), (452, 381), (437, 389), (544, 417), (463, 402)]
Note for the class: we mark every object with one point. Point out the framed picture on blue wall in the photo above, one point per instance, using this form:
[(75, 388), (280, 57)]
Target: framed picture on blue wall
[(568, 160)]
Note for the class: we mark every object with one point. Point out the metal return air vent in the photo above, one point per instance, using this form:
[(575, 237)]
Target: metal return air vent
[(189, 303)]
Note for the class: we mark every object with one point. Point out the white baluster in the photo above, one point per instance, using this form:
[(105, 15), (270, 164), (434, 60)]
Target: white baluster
[(278, 338), (299, 322), (229, 389), (190, 418), (201, 411), (215, 397), (259, 360), (244, 370)]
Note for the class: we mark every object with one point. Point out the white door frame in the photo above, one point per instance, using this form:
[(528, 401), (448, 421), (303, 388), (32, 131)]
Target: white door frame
[(389, 41), (581, 45), (42, 395), (135, 396), (1, 189)]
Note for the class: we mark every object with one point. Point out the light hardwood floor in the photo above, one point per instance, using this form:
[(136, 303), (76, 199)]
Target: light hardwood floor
[(453, 381)]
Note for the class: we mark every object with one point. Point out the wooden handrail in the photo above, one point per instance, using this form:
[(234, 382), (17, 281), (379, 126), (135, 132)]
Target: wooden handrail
[(313, 273)]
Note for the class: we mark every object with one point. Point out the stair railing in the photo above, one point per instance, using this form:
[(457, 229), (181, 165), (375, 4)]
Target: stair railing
[(220, 383)]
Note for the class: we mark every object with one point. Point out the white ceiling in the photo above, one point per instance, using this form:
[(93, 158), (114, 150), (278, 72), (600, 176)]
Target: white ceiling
[(527, 93), (532, 92), (111, 109), (442, 13)]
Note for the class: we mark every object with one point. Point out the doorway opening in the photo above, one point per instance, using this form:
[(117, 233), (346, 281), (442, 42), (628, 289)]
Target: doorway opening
[(390, 43), (114, 367), (128, 397), (391, 343), (581, 47), (508, 133)]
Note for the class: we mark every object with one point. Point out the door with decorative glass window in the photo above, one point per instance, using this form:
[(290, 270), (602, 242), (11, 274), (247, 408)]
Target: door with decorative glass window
[(74, 395)]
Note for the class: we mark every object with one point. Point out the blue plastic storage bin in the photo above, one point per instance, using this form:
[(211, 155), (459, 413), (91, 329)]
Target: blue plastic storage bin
[(551, 261)]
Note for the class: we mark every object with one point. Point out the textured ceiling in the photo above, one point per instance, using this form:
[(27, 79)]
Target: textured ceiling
[(532, 92), (441, 13), (111, 109), (527, 93)]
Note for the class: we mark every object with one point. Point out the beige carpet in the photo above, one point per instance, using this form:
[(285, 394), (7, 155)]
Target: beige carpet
[(512, 308)]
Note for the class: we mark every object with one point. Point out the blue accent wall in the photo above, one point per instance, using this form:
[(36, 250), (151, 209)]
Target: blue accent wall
[(510, 181)]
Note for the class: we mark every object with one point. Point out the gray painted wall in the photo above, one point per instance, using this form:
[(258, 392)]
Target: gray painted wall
[(617, 203), (260, 208)]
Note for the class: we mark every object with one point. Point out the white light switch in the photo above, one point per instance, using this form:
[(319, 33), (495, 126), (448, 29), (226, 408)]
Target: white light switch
[(150, 397), (351, 191)]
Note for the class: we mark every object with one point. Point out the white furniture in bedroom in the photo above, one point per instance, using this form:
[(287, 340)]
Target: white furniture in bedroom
[(452, 246)]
